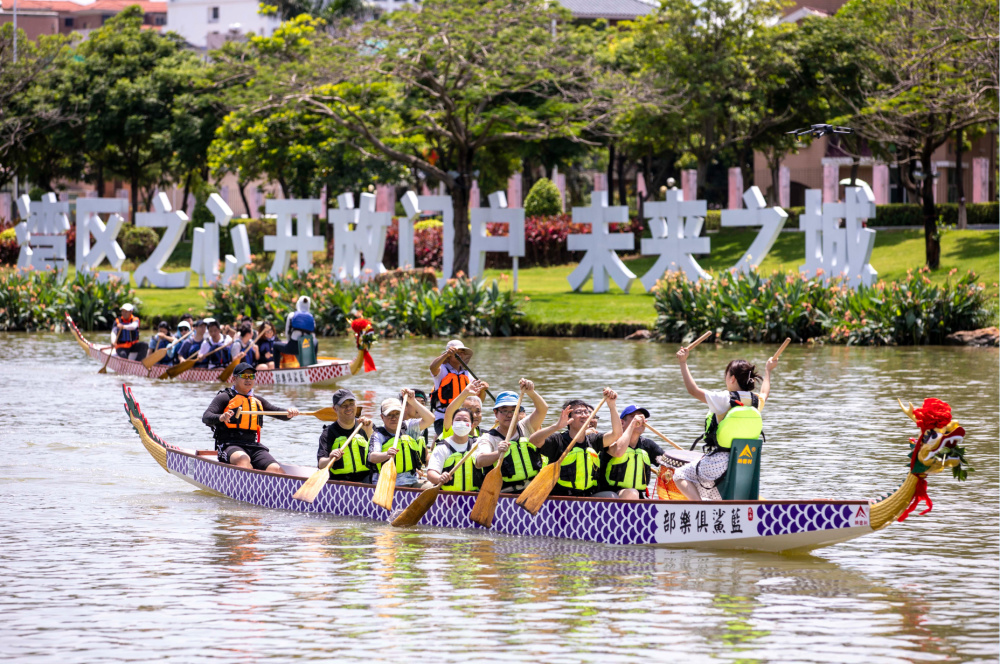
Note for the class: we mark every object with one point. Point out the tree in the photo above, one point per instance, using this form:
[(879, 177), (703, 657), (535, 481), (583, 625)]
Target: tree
[(432, 89), (934, 73)]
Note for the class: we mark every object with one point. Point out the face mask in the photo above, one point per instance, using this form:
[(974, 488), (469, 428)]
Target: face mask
[(462, 428)]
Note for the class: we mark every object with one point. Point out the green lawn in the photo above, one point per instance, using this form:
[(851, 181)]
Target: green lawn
[(548, 298)]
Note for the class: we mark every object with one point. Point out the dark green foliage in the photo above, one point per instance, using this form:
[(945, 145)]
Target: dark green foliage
[(37, 301), (138, 242), (769, 309), (543, 200), (398, 304)]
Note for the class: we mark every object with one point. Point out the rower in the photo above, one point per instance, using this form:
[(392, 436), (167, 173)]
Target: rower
[(125, 335), (214, 340), (521, 460), (419, 397), (470, 398), (733, 413), (350, 456), (183, 330), (265, 347), (408, 451), (450, 378), (162, 339), (237, 429), (243, 346), (626, 464), (443, 467), (192, 344), (578, 474)]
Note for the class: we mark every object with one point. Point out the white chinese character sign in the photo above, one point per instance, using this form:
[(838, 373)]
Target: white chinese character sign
[(481, 242), (676, 227), (174, 222), (601, 261), (43, 236), (286, 240), (839, 251), (358, 233), (770, 219), (90, 226), (205, 245)]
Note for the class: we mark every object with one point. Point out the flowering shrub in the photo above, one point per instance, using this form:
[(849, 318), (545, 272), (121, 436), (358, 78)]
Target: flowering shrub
[(427, 249), (400, 304), (752, 307), (37, 301)]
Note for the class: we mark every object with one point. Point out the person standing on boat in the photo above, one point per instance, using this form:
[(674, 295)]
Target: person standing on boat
[(521, 460), (443, 468), (300, 323), (408, 451), (215, 339), (578, 474), (237, 429), (125, 335), (350, 456), (450, 378), (698, 480), (626, 464)]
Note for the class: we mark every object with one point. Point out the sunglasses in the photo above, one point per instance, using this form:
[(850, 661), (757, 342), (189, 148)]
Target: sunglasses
[(247, 376)]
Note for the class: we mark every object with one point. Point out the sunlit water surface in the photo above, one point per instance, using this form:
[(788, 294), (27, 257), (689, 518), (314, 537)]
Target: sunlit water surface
[(106, 558)]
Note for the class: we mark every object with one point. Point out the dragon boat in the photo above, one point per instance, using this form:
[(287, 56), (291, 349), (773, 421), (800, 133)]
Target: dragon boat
[(661, 521), (325, 372)]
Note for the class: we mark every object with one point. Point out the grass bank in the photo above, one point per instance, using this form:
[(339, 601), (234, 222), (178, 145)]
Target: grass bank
[(553, 309)]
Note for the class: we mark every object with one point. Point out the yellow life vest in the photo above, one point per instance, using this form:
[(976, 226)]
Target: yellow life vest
[(579, 469), (409, 454), (521, 462), (355, 459), (465, 478), (631, 471), (741, 421)]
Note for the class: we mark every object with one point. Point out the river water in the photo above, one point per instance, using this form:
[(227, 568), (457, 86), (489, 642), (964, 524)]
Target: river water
[(106, 558)]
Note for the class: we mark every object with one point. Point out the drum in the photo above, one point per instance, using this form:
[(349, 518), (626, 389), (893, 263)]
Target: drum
[(678, 458)]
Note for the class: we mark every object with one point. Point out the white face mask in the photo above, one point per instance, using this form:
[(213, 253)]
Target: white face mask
[(462, 428)]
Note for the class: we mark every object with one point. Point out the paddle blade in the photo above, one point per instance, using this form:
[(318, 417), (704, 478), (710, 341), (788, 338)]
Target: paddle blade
[(311, 487), (327, 414), (386, 487), (154, 357), (227, 373), (417, 509), (486, 502), (538, 491), (179, 369)]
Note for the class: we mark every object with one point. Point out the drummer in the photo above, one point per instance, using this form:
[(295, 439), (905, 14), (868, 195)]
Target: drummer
[(625, 465), (237, 439)]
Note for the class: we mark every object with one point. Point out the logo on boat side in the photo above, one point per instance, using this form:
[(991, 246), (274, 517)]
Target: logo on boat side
[(746, 456), (861, 516)]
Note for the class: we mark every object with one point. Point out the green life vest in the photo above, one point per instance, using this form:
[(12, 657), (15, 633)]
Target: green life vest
[(740, 422), (521, 462), (465, 478), (631, 471), (409, 454), (579, 469), (355, 459)]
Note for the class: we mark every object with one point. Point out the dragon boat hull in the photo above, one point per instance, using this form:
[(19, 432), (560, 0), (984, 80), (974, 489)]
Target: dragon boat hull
[(326, 372), (758, 525)]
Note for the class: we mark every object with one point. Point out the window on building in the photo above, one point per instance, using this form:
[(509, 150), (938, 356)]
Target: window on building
[(952, 185), (159, 19), (213, 14), (68, 21)]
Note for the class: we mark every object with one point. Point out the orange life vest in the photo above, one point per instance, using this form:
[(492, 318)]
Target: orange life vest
[(126, 338), (247, 420), (451, 386)]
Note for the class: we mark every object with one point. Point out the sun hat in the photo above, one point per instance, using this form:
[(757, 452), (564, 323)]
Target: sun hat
[(183, 324), (211, 321), (505, 399), (391, 405), (457, 345), (129, 307)]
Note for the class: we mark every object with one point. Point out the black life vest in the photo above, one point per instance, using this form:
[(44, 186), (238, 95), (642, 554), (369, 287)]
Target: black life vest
[(451, 386), (126, 338), (219, 359)]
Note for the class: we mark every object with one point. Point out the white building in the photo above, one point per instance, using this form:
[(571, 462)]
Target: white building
[(208, 23)]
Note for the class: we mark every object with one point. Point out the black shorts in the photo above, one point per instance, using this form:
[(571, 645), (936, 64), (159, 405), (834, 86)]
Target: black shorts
[(260, 457)]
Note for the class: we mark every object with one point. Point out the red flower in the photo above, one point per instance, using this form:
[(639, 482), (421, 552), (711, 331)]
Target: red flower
[(359, 325), (934, 414)]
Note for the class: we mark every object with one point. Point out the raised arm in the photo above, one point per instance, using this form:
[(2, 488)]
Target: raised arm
[(439, 360), (616, 422), (541, 408), (538, 438), (475, 387), (617, 448), (426, 416), (765, 386), (692, 387)]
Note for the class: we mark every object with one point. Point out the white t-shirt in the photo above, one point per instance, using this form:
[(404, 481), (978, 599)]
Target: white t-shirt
[(490, 440), (442, 372), (412, 429), (441, 453), (718, 402)]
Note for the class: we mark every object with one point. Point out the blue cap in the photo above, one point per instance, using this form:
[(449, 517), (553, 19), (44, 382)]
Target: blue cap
[(632, 408), (505, 399)]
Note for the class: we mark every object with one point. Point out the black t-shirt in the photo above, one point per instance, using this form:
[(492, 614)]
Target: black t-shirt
[(332, 432), (556, 444), (225, 436), (652, 449)]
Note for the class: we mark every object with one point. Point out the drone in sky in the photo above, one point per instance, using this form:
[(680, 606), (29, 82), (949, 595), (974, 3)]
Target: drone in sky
[(818, 130)]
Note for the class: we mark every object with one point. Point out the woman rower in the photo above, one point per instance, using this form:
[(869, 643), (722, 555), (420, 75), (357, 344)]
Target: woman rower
[(265, 348), (698, 480), (442, 468), (469, 398)]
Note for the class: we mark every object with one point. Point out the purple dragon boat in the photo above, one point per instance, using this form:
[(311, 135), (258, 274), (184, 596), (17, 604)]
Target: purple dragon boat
[(759, 525)]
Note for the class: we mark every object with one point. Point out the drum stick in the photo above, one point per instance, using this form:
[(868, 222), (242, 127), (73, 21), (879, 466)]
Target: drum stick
[(650, 427), (698, 341)]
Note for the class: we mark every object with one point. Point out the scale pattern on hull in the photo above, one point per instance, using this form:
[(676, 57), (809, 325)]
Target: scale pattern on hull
[(787, 519)]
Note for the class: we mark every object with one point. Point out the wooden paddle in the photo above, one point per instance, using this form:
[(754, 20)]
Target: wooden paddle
[(188, 363), (538, 491), (418, 508), (650, 427), (158, 355), (311, 487), (227, 373), (486, 502), (699, 340), (386, 487), (327, 414), (104, 369)]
